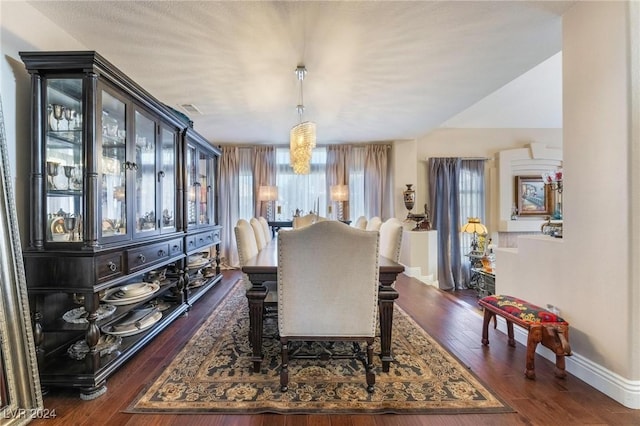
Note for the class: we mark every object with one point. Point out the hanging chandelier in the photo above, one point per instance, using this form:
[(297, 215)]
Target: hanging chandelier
[(302, 138)]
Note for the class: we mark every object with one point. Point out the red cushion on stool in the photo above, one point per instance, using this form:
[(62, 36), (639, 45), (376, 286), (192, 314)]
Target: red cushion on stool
[(522, 310)]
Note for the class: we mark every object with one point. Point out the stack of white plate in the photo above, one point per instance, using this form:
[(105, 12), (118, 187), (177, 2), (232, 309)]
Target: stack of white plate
[(136, 321), (130, 293)]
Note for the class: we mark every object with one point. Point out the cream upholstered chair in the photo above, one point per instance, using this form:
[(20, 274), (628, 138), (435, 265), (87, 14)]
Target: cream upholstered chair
[(265, 227), (391, 238), (361, 223), (328, 289), (303, 221), (259, 233), (248, 248), (245, 241), (374, 224)]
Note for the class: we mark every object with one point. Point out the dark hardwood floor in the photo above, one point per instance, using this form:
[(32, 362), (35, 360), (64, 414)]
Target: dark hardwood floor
[(451, 318)]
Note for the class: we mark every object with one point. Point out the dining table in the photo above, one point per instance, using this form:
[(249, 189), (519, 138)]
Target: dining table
[(263, 268)]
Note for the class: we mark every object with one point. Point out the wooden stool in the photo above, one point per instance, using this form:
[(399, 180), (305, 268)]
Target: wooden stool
[(542, 326)]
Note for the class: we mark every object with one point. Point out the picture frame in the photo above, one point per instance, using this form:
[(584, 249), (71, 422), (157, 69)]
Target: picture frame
[(532, 196), (20, 393)]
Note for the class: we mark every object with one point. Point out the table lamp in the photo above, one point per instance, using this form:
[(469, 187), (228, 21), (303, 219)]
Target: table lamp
[(268, 193), (340, 194), (473, 226)]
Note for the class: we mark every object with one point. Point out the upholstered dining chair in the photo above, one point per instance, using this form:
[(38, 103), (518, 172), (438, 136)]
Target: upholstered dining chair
[(248, 248), (361, 223), (303, 221), (245, 241), (391, 238), (267, 230), (374, 224), (259, 233), (328, 290)]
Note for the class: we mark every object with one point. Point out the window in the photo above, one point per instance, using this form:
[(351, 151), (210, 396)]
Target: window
[(303, 192)]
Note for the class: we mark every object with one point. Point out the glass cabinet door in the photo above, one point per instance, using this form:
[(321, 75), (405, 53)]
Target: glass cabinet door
[(167, 178), (112, 166), (63, 165), (191, 187), (144, 167), (205, 170)]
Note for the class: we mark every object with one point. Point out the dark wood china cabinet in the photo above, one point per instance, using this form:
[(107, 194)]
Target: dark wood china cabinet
[(113, 255)]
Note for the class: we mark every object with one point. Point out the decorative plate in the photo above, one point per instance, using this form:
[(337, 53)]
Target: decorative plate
[(197, 263), (107, 344), (116, 297), (126, 328), (79, 315), (57, 226)]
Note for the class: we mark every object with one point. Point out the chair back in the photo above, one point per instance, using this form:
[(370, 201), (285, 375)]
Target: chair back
[(258, 232), (391, 238), (267, 230), (361, 223), (327, 281), (374, 224), (303, 221), (245, 241)]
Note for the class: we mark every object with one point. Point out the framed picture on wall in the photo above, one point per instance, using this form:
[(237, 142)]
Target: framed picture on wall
[(533, 197)]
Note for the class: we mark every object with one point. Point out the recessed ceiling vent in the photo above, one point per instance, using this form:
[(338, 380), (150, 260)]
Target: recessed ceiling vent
[(191, 109)]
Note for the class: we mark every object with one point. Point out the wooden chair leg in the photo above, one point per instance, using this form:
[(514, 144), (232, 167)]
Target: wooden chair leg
[(371, 376), (485, 326), (284, 367)]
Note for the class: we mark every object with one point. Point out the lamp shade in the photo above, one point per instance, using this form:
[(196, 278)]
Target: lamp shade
[(268, 193), (473, 225), (339, 192)]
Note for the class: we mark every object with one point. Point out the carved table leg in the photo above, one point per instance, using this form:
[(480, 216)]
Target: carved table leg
[(256, 295), (386, 296)]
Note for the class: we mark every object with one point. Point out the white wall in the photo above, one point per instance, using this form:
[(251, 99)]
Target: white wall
[(587, 274)]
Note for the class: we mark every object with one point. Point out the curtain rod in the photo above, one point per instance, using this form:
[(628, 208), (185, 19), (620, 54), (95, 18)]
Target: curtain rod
[(474, 158)]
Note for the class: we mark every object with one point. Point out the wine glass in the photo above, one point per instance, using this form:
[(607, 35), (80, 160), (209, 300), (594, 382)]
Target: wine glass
[(52, 172), (68, 173), (58, 111), (69, 115), (70, 225)]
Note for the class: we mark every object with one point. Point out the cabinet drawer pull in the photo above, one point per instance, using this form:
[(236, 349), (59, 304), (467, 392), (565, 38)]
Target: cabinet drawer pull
[(191, 242), (112, 266), (141, 258), (176, 247), (161, 253), (209, 237), (201, 239)]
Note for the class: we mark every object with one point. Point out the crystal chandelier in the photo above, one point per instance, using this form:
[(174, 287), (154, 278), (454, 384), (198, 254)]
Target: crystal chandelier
[(302, 138)]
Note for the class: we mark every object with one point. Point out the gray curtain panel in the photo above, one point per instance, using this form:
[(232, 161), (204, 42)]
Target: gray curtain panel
[(445, 212)]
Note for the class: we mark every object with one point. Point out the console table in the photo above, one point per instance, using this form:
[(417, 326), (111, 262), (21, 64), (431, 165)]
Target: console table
[(485, 281)]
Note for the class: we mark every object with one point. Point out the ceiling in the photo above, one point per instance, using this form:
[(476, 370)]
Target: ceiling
[(377, 71)]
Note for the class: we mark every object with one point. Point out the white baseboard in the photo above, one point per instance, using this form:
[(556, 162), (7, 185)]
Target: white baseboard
[(625, 391)]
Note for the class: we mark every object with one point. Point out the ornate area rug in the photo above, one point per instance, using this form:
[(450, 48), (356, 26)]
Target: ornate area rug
[(213, 373)]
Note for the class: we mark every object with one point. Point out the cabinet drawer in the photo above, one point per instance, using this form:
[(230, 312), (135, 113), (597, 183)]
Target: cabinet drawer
[(146, 256), (191, 242), (109, 266), (204, 239), (175, 247)]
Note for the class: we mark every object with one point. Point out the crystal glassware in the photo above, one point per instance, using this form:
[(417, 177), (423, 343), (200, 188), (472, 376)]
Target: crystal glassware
[(52, 172), (58, 112), (68, 173)]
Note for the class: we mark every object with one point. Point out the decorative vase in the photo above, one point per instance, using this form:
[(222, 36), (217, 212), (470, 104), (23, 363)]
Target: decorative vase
[(409, 197)]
